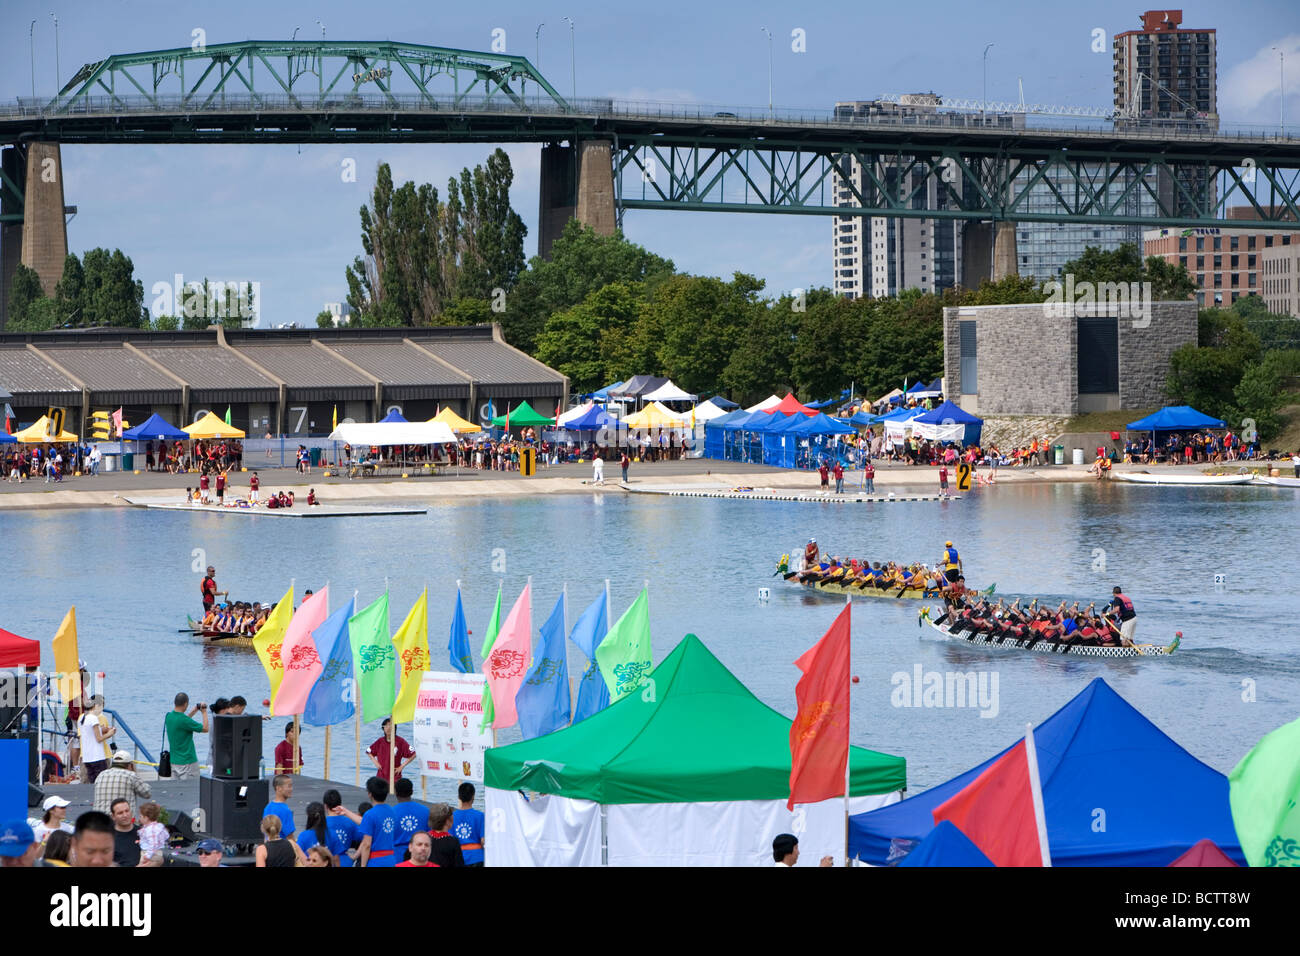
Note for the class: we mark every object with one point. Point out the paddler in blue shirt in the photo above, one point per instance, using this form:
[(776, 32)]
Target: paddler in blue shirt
[(951, 562)]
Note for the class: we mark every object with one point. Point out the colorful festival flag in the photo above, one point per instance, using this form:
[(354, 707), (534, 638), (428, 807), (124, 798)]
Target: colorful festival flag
[(228, 421), (1264, 794), (543, 701), (411, 643), (373, 659), (67, 660), (512, 652), (331, 698), (494, 625), (458, 642), (587, 633), (268, 640), (299, 659), (819, 735), (336, 417), (624, 655), (996, 811)]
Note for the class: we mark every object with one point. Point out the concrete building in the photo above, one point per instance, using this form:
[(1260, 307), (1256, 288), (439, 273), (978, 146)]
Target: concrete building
[(1165, 72), (1279, 271), (286, 382), (1036, 360)]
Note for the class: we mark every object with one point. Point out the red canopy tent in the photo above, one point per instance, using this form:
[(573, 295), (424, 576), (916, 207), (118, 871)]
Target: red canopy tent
[(790, 406), (1205, 853), (18, 651)]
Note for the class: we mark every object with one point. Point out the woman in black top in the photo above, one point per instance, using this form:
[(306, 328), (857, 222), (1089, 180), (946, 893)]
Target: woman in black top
[(277, 851)]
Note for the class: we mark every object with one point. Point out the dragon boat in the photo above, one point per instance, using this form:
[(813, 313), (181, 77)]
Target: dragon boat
[(836, 589), (1047, 646)]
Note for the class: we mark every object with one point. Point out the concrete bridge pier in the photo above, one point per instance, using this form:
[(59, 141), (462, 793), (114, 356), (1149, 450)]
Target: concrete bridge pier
[(575, 182), (988, 253), (40, 242)]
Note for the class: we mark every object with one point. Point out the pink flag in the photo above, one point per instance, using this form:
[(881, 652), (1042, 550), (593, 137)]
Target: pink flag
[(117, 422), (511, 656), (302, 665)]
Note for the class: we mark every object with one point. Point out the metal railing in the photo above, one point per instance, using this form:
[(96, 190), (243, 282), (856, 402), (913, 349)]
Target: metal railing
[(968, 120)]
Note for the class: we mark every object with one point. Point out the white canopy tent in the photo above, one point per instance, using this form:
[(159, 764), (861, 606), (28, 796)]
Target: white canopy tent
[(394, 433), (765, 404), (943, 431), (668, 392), (707, 412)]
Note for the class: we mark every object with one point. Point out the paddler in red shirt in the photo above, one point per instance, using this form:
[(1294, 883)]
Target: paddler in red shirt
[(208, 588), (378, 752)]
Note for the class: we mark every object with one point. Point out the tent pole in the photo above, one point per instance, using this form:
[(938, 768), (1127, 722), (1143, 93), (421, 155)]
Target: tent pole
[(848, 751)]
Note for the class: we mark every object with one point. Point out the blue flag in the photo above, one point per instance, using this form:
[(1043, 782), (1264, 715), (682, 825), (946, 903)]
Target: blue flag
[(331, 698), (587, 633), (458, 644), (543, 698)]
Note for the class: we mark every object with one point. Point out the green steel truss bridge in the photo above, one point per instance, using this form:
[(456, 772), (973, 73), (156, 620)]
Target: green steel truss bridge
[(963, 165)]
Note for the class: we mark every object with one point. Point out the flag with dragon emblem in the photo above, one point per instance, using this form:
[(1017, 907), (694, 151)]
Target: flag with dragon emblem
[(543, 698), (494, 625), (624, 654), (505, 666), (268, 640), (1264, 794), (819, 735), (331, 697), (411, 644), (373, 659), (300, 663)]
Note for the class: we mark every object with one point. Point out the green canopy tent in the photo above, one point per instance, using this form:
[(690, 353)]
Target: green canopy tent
[(521, 416), (692, 770)]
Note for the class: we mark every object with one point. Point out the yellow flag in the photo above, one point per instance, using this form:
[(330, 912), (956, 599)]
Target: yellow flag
[(67, 663), (412, 645), (271, 636), (336, 417)]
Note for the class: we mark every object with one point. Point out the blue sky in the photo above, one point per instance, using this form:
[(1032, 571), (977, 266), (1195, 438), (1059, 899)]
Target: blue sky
[(283, 217)]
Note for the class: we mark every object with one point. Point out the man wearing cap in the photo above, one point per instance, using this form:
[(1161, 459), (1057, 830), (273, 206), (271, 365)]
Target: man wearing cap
[(951, 562), (210, 852), (18, 846), (119, 782), (785, 851)]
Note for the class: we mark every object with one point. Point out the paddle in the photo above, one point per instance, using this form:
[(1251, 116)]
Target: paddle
[(1141, 653)]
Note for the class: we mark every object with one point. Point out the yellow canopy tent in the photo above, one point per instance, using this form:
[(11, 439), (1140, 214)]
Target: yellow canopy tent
[(455, 422), (35, 434), (655, 415), (210, 426)]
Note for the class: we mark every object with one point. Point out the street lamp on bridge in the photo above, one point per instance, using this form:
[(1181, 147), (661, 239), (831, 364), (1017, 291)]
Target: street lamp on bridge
[(984, 97), (769, 69), (31, 39), (573, 63), (1281, 92), (57, 72)]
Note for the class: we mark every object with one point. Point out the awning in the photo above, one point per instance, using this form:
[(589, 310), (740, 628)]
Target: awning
[(394, 433), (18, 651), (155, 428), (522, 415), (668, 392), (455, 422), (210, 426), (770, 402), (1175, 418), (34, 434), (655, 415)]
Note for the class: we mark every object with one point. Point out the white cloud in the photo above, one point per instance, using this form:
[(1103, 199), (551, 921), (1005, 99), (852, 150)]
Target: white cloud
[(1249, 91)]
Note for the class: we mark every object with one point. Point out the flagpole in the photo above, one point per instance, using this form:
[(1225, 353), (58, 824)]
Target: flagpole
[(327, 751), (356, 695), (848, 722), (564, 629), (297, 731), (1035, 786)]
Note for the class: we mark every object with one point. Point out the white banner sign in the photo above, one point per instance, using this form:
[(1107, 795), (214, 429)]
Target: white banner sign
[(448, 714)]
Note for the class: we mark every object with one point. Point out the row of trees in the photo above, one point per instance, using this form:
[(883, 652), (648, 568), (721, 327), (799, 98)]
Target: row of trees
[(99, 288)]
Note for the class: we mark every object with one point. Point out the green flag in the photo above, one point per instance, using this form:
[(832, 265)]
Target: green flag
[(1263, 791), (373, 659), (494, 627), (624, 654), (228, 421)]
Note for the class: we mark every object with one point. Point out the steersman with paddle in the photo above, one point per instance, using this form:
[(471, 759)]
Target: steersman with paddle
[(1123, 606), (208, 588)]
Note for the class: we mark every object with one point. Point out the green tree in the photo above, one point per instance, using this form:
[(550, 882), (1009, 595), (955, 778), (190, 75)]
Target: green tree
[(468, 312), (582, 341), (696, 321), (821, 362), (489, 233), (1125, 264), (110, 293), (760, 363), (324, 319), (25, 290), (1258, 397), (69, 293), (166, 323)]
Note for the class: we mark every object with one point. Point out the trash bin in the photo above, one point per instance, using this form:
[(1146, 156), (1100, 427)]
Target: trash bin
[(315, 457), (110, 460), (1060, 454), (1078, 456), (128, 460)]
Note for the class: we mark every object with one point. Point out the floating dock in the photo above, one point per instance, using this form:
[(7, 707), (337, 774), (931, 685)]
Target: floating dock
[(299, 510), (770, 494)]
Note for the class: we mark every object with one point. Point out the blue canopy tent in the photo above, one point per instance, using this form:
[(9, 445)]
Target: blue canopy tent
[(862, 419), (1175, 418), (393, 416), (780, 445), (946, 846), (721, 402), (592, 420), (602, 395), (7, 439), (1096, 751), (822, 424), (741, 439), (813, 433), (949, 414), (155, 428), (714, 432)]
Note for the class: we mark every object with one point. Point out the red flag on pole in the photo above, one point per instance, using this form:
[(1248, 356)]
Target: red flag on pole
[(819, 736), (996, 811)]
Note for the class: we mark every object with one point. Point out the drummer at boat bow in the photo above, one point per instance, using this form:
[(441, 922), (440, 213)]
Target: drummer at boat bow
[(1123, 606)]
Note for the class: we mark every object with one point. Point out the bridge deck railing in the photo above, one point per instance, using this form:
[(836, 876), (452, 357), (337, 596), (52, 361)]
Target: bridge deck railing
[(995, 124)]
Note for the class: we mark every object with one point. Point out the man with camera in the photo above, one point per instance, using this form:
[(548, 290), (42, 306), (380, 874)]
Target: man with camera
[(180, 730)]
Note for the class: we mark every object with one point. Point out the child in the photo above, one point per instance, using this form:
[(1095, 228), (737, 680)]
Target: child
[(189, 497), (153, 835), (311, 497), (254, 484), (943, 480)]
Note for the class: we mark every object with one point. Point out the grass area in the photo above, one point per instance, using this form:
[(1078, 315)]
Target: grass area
[(1107, 421), (1289, 438)]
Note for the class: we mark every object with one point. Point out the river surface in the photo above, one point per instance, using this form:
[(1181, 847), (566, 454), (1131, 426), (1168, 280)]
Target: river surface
[(133, 575)]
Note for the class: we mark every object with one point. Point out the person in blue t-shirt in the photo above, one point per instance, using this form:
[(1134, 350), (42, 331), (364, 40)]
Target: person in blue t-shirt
[(378, 827), (314, 832), (342, 825), (467, 824), (411, 817), (282, 784)]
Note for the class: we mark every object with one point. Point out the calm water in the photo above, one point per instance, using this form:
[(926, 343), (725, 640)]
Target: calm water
[(131, 575)]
